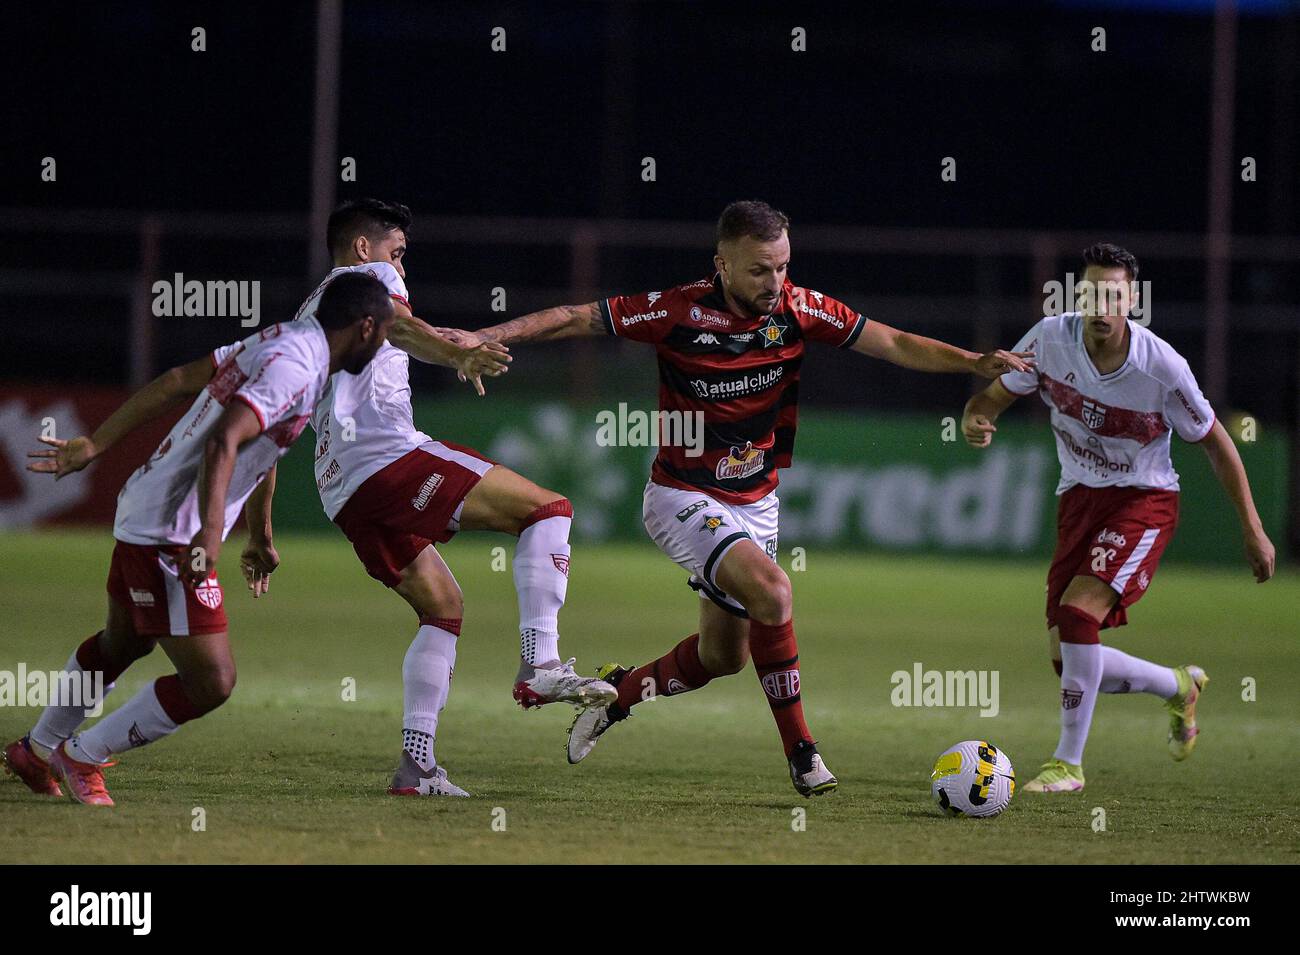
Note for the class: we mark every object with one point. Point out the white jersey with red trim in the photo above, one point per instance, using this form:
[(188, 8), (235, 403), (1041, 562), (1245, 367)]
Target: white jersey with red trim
[(279, 373), (363, 422), (1112, 430)]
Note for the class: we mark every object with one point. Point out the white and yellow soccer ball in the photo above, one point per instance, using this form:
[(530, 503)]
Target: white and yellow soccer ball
[(973, 778)]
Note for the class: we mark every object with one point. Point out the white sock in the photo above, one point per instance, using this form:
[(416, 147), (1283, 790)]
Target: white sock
[(426, 683), (541, 570), (1080, 677), (1122, 673), (138, 721), (59, 722)]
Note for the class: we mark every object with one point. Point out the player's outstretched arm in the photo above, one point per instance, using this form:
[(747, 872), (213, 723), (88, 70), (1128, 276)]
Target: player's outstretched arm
[(237, 426), (928, 354), (472, 360), (150, 402), (978, 420), (563, 321), (1231, 473), (259, 559)]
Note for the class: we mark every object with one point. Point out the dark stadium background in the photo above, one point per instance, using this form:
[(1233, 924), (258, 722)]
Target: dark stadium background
[(523, 169)]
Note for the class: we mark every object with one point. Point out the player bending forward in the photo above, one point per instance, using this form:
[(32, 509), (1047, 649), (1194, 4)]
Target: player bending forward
[(1116, 392), (730, 347), (173, 514), (395, 492)]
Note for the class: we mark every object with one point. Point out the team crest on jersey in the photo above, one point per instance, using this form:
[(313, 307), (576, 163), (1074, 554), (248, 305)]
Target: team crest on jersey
[(740, 463), (1144, 581), (561, 562), (208, 593), (712, 523), (773, 332), (1093, 414)]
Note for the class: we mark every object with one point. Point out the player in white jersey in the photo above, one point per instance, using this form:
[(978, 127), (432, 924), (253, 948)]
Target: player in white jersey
[(1117, 392), (396, 493), (253, 400)]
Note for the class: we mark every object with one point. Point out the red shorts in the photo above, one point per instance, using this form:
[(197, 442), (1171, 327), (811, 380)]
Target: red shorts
[(1115, 534), (403, 508), (143, 578)]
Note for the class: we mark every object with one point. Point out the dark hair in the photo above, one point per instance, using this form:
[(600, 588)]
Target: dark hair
[(350, 298), (372, 218), (1108, 256), (751, 217)]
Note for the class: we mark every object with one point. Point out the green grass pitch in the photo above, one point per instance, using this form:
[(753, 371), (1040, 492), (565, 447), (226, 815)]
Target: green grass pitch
[(288, 771)]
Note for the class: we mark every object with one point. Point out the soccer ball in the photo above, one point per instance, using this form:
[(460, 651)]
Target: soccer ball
[(973, 778)]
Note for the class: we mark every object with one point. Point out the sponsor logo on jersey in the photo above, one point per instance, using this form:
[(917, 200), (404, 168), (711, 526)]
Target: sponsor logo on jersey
[(1108, 536), (141, 598), (1187, 406), (643, 317), (561, 562), (1093, 414), (740, 463), (712, 523), (832, 320), (706, 338), (743, 337), (1092, 456), (1070, 699), (774, 332), (702, 317), (684, 514), (781, 685), (208, 593), (427, 490), (740, 386), (329, 474)]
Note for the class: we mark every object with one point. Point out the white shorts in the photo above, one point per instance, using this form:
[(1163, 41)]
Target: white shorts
[(696, 530)]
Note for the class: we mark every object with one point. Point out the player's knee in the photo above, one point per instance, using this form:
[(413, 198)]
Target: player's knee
[(541, 505), (771, 600), (727, 662), (210, 688)]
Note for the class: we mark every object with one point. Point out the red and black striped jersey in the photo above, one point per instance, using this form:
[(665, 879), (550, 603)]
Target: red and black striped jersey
[(742, 373)]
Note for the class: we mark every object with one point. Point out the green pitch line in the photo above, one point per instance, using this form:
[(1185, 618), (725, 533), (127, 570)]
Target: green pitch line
[(289, 772)]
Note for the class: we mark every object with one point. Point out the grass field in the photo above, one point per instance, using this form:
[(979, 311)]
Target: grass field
[(289, 772)]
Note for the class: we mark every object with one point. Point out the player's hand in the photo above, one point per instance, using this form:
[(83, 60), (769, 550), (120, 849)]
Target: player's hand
[(258, 562), (199, 560), (488, 359), (977, 430), (66, 457), (994, 363), (1261, 555)]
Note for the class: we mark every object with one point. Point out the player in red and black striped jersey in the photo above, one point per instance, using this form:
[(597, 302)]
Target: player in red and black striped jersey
[(730, 350)]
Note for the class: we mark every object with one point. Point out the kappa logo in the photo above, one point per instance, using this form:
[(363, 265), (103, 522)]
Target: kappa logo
[(712, 523), (561, 562), (706, 338), (1070, 699), (653, 297), (142, 598), (781, 685), (427, 490), (685, 513), (1093, 414), (816, 295), (208, 593)]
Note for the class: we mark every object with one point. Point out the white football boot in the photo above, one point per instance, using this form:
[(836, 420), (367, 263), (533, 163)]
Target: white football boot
[(591, 722), (562, 684), (411, 780), (808, 773)]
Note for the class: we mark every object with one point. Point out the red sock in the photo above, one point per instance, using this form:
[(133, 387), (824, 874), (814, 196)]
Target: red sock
[(776, 658), (677, 671), (172, 698), (90, 657)]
